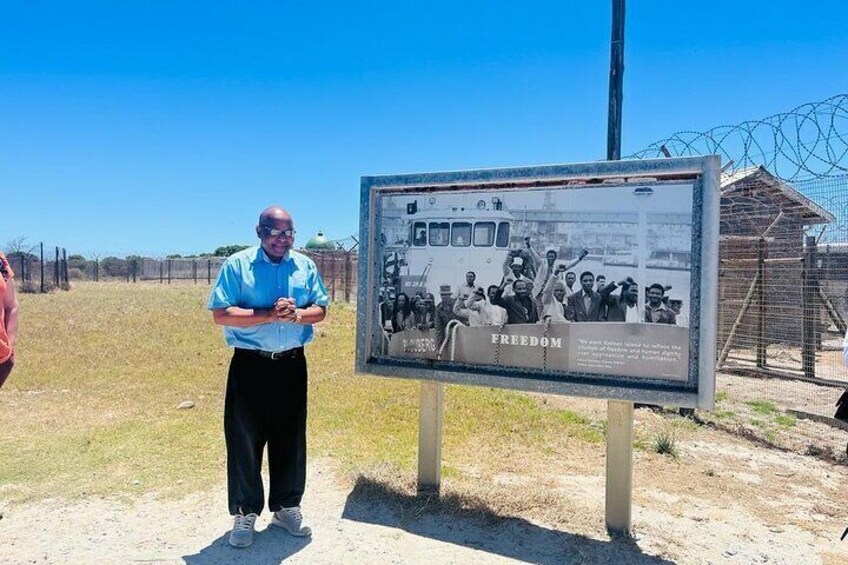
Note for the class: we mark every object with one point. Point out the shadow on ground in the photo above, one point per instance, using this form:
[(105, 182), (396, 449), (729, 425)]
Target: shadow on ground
[(271, 546), (469, 522)]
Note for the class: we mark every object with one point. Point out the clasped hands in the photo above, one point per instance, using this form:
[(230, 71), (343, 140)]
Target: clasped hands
[(284, 310)]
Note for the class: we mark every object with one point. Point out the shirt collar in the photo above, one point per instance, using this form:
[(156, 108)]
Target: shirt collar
[(261, 257)]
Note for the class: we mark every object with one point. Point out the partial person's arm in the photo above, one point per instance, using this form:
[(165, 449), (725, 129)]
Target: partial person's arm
[(10, 305), (548, 290), (309, 315), (498, 298), (507, 262), (570, 309), (460, 308), (537, 258), (607, 290), (845, 350), (243, 317), (574, 263)]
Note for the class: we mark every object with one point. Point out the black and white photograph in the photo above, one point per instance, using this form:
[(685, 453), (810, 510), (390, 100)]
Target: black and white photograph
[(587, 278)]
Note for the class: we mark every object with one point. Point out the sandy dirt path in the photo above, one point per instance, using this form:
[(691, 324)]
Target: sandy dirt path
[(364, 521)]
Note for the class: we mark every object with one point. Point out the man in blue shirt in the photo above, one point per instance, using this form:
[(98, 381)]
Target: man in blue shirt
[(267, 298)]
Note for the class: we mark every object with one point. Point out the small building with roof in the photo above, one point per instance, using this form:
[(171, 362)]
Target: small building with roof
[(763, 221)]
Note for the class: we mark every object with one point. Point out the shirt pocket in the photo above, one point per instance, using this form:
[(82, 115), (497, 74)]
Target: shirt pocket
[(300, 291), (301, 296)]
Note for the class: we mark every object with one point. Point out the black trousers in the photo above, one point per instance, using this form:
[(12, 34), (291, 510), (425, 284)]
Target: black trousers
[(265, 405)]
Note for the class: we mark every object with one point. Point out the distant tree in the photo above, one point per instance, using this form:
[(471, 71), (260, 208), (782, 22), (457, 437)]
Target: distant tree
[(174, 256), (21, 256), (77, 262), (113, 266), (19, 249), (18, 245), (227, 250)]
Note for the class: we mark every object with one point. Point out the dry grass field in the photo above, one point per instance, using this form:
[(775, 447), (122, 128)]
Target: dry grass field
[(90, 414)]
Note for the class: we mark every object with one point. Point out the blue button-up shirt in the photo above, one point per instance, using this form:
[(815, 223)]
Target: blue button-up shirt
[(249, 279)]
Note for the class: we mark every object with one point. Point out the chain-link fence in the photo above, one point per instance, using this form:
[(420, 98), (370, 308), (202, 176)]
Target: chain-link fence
[(783, 276), (337, 268), (39, 267), (43, 268), (783, 305), (339, 271)]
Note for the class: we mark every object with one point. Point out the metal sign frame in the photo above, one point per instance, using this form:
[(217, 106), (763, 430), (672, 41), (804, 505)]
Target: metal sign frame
[(702, 172)]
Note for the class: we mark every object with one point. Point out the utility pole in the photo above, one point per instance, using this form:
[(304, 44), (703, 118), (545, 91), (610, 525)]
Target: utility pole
[(616, 82), (619, 462)]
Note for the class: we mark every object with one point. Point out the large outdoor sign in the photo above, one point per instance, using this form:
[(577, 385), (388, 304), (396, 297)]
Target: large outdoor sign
[(594, 279)]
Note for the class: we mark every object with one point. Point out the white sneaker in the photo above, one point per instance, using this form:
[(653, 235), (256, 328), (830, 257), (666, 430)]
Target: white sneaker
[(242, 532), (291, 520)]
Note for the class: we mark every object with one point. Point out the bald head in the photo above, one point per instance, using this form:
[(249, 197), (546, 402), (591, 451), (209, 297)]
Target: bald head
[(273, 213), (276, 232)]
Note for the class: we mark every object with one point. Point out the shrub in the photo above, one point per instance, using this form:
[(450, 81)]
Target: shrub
[(665, 444)]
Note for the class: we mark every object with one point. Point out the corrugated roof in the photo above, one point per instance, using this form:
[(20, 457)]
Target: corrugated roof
[(814, 213)]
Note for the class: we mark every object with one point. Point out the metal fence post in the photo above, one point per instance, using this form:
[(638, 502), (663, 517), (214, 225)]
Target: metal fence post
[(761, 300), (347, 276), (169, 271), (333, 275), (42, 266), (208, 271), (56, 268), (809, 310)]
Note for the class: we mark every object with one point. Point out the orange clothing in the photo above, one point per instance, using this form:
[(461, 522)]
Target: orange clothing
[(7, 274)]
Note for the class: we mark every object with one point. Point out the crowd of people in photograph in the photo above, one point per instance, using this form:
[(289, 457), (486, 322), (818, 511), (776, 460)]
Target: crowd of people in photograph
[(534, 289)]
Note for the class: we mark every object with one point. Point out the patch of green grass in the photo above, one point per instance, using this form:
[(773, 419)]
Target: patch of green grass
[(580, 427), (450, 472), (762, 406), (786, 420), (686, 424), (758, 423), (723, 414), (722, 396)]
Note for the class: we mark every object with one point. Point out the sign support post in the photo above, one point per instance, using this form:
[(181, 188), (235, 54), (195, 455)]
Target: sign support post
[(619, 483), (430, 425)]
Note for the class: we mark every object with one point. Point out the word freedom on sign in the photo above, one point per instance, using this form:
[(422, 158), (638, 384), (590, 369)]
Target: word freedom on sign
[(527, 341)]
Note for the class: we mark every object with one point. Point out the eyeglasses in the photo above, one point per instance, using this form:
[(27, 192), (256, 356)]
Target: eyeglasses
[(277, 233)]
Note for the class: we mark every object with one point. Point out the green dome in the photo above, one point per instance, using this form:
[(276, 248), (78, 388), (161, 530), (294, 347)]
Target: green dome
[(320, 243)]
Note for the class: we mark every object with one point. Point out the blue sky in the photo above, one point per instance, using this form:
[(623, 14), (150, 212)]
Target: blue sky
[(165, 127)]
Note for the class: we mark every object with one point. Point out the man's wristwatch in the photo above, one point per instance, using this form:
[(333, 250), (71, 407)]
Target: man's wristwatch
[(298, 316)]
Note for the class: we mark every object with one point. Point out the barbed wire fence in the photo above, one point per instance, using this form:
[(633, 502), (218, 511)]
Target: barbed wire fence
[(38, 268), (783, 274), (337, 265)]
